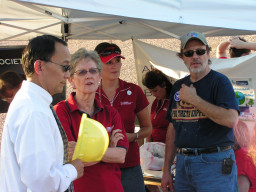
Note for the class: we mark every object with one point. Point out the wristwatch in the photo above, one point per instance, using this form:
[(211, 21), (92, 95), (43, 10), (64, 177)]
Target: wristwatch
[(137, 136)]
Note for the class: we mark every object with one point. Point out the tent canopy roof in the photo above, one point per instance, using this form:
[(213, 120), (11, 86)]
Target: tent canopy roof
[(122, 20)]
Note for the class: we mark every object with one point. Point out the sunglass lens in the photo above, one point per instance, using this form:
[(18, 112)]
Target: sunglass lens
[(117, 52), (66, 68), (109, 52), (105, 54), (200, 51), (189, 53)]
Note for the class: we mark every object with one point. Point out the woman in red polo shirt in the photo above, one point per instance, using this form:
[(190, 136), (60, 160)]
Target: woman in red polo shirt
[(245, 161), (131, 102), (160, 87), (85, 76)]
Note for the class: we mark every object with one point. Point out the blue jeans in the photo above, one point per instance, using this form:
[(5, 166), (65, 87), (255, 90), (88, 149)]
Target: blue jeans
[(203, 173), (132, 179)]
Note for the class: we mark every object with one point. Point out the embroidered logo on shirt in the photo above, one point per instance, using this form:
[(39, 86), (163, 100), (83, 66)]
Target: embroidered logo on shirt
[(176, 96), (109, 129), (165, 109), (126, 103), (129, 92)]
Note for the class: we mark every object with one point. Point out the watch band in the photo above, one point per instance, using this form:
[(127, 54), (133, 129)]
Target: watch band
[(137, 136)]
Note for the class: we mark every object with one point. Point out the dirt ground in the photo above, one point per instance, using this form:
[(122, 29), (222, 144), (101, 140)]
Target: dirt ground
[(128, 72)]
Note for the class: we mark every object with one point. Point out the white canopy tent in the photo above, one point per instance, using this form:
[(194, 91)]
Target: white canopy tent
[(122, 20), (133, 19)]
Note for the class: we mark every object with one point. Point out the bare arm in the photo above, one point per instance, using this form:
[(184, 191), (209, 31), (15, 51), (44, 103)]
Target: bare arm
[(149, 138), (237, 43), (114, 155), (243, 183), (145, 125), (222, 49), (79, 165), (170, 152), (220, 115)]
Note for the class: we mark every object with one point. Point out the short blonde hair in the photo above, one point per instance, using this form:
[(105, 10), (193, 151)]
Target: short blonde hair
[(82, 53)]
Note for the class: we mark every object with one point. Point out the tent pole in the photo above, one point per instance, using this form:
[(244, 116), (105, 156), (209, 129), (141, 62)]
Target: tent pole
[(27, 30)]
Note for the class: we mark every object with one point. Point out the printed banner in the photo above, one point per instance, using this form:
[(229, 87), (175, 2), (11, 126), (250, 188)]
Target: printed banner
[(244, 90), (10, 60)]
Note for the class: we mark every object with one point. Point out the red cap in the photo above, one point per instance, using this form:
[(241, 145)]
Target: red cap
[(106, 59)]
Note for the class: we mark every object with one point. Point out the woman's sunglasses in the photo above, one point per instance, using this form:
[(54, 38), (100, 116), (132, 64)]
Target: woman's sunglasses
[(109, 52), (190, 53)]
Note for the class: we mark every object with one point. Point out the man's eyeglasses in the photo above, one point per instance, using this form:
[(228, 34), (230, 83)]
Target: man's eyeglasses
[(109, 52), (190, 53), (65, 68), (83, 72)]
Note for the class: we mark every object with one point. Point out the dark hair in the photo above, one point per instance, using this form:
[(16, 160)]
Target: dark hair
[(41, 47), (234, 52), (156, 77), (9, 80), (100, 48)]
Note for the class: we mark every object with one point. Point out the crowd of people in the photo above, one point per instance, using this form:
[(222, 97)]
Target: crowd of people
[(195, 117)]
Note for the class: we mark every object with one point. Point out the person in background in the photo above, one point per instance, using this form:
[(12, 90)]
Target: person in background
[(237, 47), (246, 168), (202, 113), (10, 83), (160, 87), (85, 76), (34, 150), (131, 102)]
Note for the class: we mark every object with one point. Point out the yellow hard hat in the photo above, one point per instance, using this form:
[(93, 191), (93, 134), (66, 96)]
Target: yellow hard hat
[(92, 141)]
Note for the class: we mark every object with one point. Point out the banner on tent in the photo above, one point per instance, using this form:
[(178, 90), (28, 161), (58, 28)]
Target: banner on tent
[(240, 70), (10, 60), (244, 90)]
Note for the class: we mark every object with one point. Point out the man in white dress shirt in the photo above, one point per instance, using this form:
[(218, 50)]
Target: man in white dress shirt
[(33, 148)]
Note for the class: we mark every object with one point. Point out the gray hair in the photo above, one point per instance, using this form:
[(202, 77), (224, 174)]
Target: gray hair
[(82, 53)]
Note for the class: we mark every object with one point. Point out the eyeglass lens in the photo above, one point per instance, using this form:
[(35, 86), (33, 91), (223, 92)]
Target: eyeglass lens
[(66, 67), (83, 72), (190, 53)]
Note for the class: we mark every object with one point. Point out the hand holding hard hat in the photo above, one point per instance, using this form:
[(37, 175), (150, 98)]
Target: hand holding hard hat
[(92, 141)]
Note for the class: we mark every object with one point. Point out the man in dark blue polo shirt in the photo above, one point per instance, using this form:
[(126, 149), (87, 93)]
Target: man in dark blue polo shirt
[(202, 113)]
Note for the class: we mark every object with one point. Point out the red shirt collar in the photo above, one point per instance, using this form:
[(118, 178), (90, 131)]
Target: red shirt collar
[(73, 106)]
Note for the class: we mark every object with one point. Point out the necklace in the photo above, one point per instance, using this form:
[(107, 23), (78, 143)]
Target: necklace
[(110, 101), (100, 96)]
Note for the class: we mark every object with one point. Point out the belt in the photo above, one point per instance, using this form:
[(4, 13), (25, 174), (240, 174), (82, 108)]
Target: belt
[(199, 151)]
